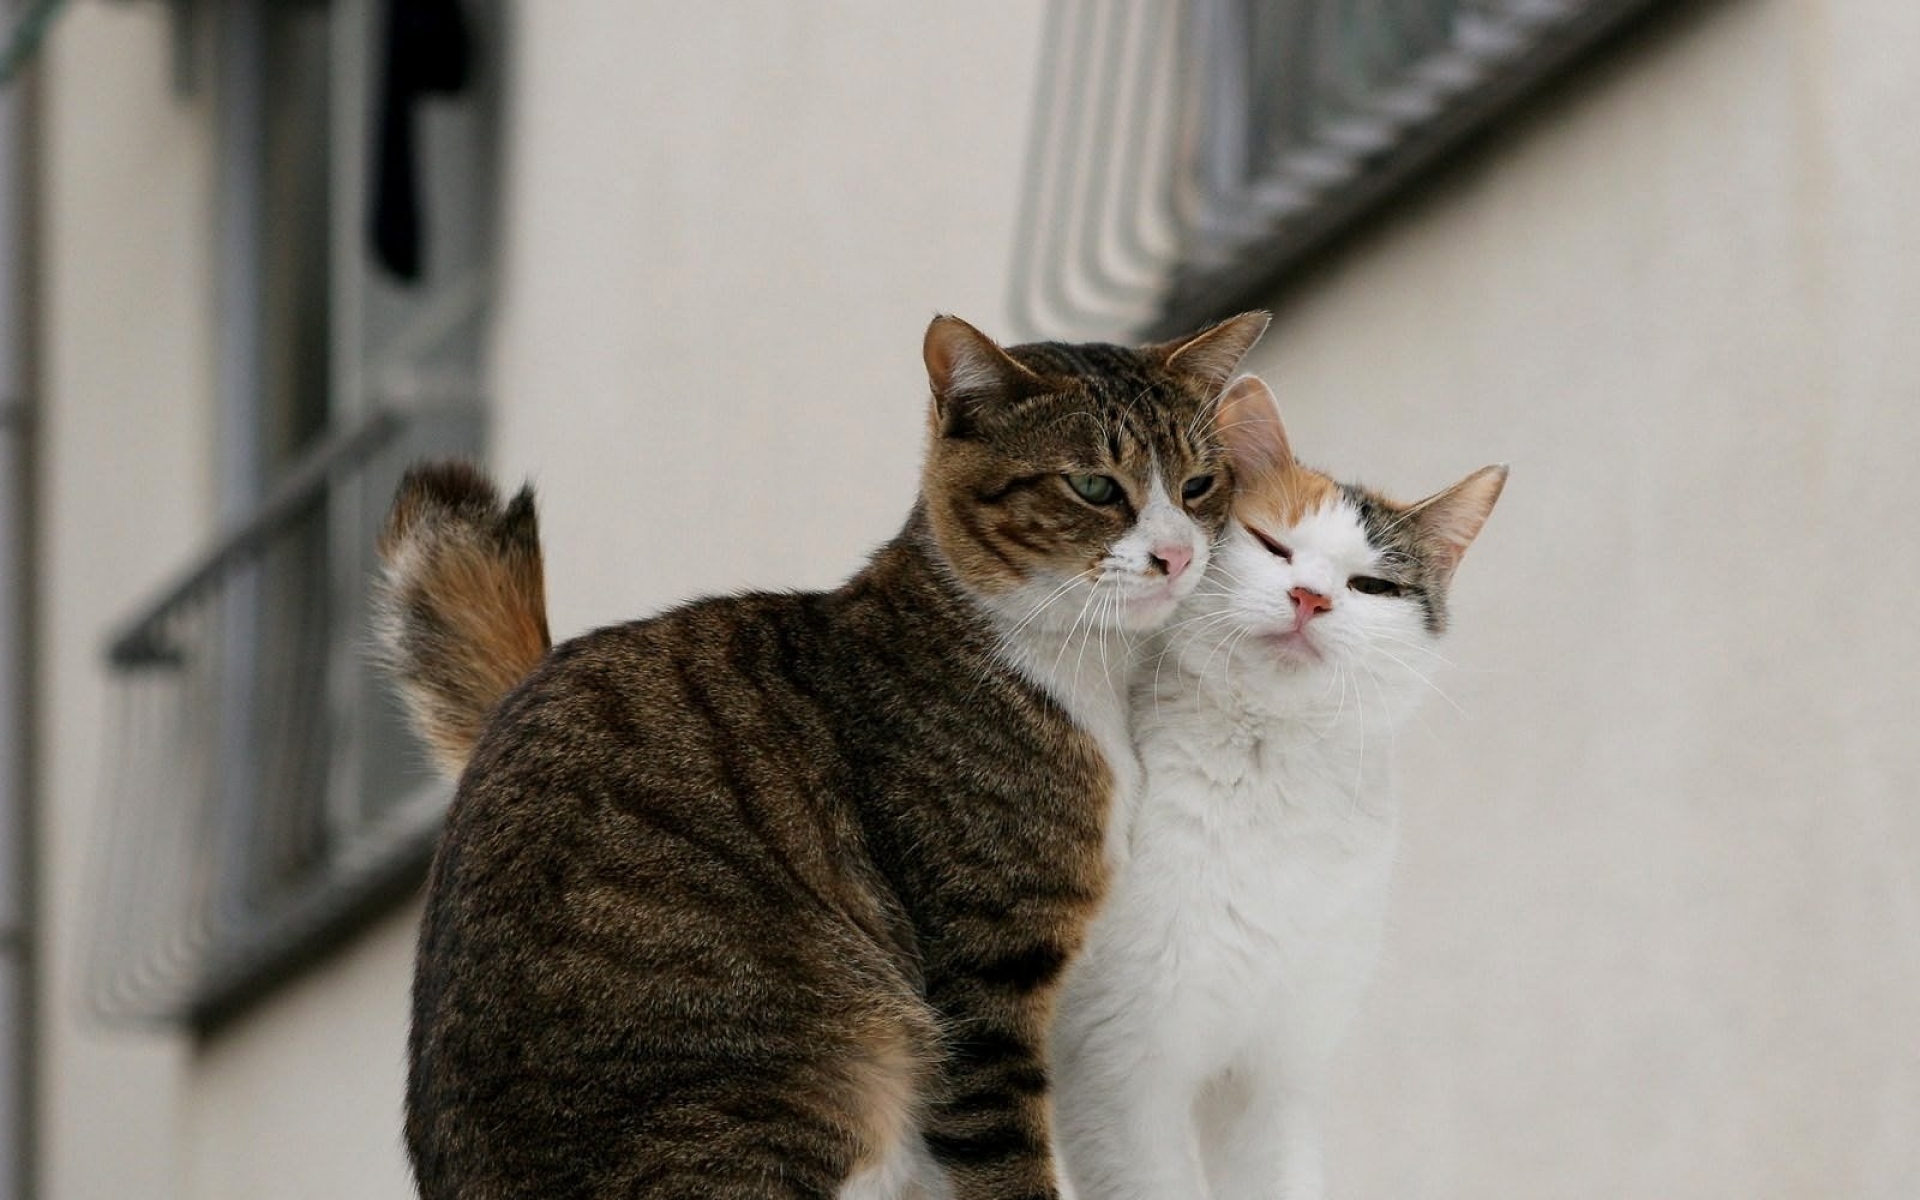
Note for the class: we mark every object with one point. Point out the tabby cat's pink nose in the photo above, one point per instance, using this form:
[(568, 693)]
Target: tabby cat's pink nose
[(1171, 559)]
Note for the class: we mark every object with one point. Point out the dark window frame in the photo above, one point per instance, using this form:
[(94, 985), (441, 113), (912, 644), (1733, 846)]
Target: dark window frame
[(1186, 159), (263, 800)]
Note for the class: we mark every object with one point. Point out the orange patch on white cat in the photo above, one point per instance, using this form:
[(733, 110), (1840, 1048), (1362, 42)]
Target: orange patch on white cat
[(1282, 497), (1274, 490)]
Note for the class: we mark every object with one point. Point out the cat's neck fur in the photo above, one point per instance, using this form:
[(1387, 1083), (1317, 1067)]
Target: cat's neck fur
[(1238, 725), (1086, 673)]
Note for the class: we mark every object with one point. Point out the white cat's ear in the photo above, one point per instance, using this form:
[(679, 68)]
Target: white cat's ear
[(1450, 520), (965, 367), (1214, 354), (1249, 423)]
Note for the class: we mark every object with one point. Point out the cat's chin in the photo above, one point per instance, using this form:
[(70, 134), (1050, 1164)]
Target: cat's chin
[(1063, 612), (1151, 606), (1148, 613), (1295, 647)]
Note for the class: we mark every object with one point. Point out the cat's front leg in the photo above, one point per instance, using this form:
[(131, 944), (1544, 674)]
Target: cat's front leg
[(1270, 1149), (1126, 1116), (1140, 1147), (988, 1124)]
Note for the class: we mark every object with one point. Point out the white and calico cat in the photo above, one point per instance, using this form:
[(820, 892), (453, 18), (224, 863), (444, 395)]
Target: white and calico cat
[(1198, 1025)]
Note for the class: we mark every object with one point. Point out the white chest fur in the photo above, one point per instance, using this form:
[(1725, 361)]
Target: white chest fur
[(1198, 1025), (1090, 681)]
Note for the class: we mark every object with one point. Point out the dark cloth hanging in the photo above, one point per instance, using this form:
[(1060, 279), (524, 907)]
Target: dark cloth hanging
[(429, 50)]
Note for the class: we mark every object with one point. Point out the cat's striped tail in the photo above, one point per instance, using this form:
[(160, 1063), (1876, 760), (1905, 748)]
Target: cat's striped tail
[(461, 609)]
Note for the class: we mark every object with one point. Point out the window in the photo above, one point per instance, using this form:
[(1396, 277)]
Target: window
[(264, 796), (1185, 157)]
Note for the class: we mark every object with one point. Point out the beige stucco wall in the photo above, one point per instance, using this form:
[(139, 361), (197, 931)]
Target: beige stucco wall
[(1658, 931), (301, 1098), (726, 239), (125, 495)]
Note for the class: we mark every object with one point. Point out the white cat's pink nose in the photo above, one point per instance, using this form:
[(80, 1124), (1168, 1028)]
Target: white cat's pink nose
[(1307, 602), (1171, 559)]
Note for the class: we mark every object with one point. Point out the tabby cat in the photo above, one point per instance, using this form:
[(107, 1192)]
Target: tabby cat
[(1197, 1030), (770, 895)]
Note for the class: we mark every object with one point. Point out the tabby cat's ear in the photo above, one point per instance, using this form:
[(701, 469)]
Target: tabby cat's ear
[(1213, 355), (1249, 423), (965, 368), (1450, 520)]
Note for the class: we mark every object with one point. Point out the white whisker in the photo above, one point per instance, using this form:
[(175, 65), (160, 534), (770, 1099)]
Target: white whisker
[(1437, 689)]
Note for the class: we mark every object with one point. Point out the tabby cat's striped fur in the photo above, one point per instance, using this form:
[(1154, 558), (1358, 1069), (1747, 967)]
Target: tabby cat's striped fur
[(773, 892)]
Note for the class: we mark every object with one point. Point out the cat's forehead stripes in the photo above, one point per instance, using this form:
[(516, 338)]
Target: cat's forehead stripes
[(1386, 524), (1132, 397), (1093, 360)]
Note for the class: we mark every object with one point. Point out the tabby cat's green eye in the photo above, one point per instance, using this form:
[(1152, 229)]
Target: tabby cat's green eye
[(1095, 489), (1196, 487), (1367, 585)]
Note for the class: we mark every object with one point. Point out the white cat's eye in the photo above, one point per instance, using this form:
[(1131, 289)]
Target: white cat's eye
[(1368, 585), (1196, 487), (1095, 489), (1274, 548)]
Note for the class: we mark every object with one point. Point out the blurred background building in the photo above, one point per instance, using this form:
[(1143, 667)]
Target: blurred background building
[(1657, 931)]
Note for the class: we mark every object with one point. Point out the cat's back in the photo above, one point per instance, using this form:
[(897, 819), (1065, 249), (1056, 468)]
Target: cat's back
[(744, 755), (761, 693), (659, 814), (661, 686), (663, 732)]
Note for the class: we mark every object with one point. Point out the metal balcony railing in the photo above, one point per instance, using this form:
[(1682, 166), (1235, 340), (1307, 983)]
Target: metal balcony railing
[(262, 796)]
